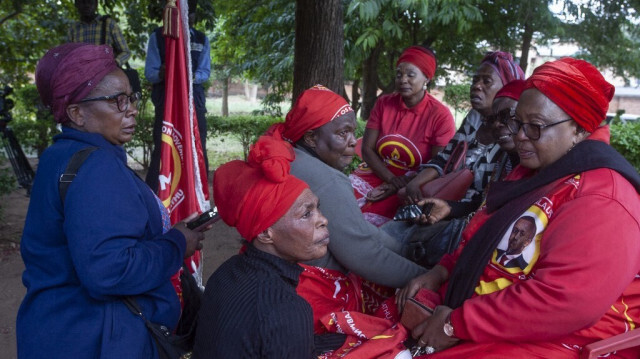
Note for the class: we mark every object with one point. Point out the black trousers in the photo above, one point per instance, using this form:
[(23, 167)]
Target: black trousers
[(157, 97)]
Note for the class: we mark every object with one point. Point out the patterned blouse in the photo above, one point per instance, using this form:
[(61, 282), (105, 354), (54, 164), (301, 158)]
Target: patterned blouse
[(480, 159)]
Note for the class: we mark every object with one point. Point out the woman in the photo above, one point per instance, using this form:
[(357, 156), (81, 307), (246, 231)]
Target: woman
[(404, 131), (321, 124), (109, 236), (530, 279), (250, 307), (496, 70)]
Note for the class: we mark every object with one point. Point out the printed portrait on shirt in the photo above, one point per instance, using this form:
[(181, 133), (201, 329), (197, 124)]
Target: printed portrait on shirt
[(519, 248)]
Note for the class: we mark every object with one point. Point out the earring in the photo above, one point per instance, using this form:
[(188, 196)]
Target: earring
[(424, 87)]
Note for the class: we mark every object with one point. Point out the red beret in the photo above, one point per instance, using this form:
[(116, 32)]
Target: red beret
[(511, 90), (67, 73), (314, 108), (254, 195), (422, 58), (577, 87)]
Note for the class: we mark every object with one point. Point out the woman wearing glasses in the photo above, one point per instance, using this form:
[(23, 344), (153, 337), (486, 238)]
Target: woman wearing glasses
[(581, 281), (108, 237)]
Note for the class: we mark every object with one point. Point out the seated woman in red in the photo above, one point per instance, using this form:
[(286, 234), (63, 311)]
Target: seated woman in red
[(534, 275), (405, 130)]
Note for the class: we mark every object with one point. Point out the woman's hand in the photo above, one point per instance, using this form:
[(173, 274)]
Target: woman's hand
[(193, 238), (438, 212), (414, 193), (431, 333), (381, 192), (399, 181), (431, 280)]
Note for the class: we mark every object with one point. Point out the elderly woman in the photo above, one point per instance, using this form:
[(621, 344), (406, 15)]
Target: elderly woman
[(321, 124), (404, 131), (108, 237), (496, 70), (576, 281), (250, 308)]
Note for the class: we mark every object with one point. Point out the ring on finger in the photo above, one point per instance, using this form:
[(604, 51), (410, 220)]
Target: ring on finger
[(429, 350), (422, 342)]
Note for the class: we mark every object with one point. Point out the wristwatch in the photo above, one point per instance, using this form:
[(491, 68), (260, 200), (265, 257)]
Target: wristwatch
[(448, 328)]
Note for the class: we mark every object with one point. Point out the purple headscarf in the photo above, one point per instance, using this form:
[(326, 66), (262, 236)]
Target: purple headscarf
[(67, 73), (504, 65)]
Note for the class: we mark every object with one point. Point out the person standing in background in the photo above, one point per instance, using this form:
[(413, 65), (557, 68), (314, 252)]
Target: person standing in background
[(90, 30), (154, 72)]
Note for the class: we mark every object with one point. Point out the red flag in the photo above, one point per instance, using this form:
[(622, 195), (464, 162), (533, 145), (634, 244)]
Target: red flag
[(183, 181)]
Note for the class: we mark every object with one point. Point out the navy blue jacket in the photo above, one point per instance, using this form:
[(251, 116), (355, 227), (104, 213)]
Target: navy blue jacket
[(81, 258)]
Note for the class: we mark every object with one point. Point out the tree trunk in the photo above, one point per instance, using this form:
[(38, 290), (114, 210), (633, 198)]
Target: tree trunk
[(225, 97), (355, 95), (319, 46), (370, 82), (526, 45)]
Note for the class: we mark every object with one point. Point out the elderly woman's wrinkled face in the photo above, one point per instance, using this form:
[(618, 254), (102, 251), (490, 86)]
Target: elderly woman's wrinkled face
[(335, 142), (484, 86), (410, 82), (302, 233), (115, 123), (534, 108), (503, 108)]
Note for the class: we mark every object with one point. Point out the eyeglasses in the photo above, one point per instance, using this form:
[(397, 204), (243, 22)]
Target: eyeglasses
[(502, 116), (531, 130), (122, 99)]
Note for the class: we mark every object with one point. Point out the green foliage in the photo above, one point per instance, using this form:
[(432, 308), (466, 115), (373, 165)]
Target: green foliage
[(458, 97), (7, 182), (361, 124), (32, 123), (244, 127), (140, 147), (625, 138)]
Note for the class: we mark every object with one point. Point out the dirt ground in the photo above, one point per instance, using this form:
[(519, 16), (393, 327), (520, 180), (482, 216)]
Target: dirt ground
[(221, 243)]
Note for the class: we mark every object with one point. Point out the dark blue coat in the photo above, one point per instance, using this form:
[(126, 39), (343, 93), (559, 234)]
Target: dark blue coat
[(105, 243)]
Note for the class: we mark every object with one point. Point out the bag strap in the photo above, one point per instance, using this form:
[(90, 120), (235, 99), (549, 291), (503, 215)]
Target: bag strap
[(457, 158), (70, 172)]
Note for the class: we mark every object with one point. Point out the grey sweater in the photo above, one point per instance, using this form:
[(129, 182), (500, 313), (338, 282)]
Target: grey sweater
[(355, 244)]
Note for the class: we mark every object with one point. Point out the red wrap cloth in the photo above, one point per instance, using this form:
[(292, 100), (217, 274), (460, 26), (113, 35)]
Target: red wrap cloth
[(347, 304), (313, 108), (67, 73), (504, 65), (253, 195), (577, 87), (422, 58)]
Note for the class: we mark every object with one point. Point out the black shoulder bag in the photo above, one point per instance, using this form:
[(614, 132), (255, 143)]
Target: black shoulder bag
[(132, 74), (169, 345)]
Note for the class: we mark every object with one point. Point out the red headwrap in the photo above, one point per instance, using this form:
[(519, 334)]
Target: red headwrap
[(314, 108), (511, 90), (422, 58), (254, 195), (67, 73), (504, 65), (577, 87)]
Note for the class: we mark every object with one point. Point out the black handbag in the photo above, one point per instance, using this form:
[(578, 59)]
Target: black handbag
[(176, 345), (429, 243)]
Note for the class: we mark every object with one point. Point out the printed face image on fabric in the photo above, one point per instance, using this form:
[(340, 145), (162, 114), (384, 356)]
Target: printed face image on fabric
[(519, 245)]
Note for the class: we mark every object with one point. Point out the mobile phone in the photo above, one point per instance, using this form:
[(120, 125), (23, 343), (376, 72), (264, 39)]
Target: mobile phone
[(426, 209), (205, 219)]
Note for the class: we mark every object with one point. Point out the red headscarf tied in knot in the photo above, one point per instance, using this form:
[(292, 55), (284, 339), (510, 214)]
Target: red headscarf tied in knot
[(313, 108), (512, 90), (422, 58), (67, 73), (577, 87), (254, 195), (504, 65)]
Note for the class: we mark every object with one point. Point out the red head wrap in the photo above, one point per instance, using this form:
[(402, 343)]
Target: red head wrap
[(313, 108), (422, 58), (254, 195), (504, 65), (512, 90), (577, 87), (67, 73)]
